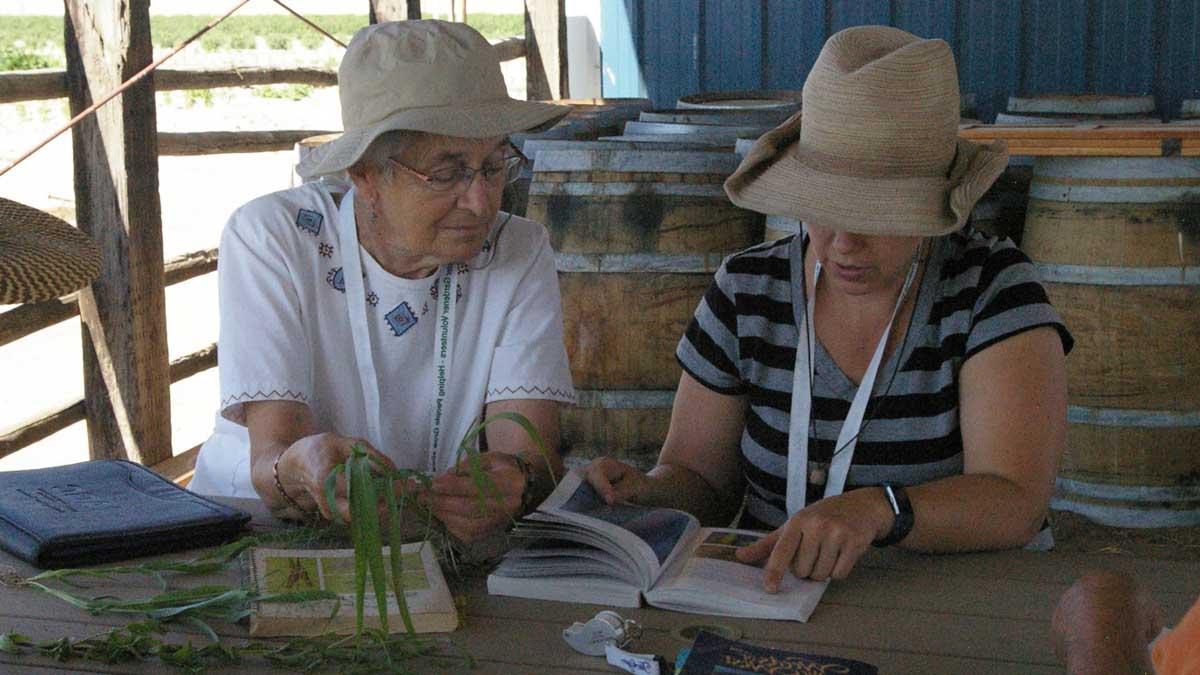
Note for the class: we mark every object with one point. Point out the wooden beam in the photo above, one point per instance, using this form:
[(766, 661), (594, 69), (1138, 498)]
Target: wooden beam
[(180, 468), (221, 142), (394, 10), (45, 424), (126, 378), (35, 85), (545, 50), (510, 48), (60, 418), (22, 320)]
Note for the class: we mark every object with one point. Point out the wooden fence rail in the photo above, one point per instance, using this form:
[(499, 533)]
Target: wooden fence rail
[(58, 419), (35, 85), (29, 318)]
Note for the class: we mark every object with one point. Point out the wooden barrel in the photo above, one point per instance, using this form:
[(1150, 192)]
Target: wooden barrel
[(1001, 211), (668, 128), (304, 147), (589, 118), (638, 235), (748, 99), (1072, 106), (774, 227), (708, 116), (715, 142), (1117, 242)]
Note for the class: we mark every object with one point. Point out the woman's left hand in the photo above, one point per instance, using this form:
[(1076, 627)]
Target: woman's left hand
[(466, 512), (824, 540)]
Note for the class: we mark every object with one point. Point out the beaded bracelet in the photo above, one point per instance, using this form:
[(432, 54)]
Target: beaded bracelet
[(279, 486), (527, 495)]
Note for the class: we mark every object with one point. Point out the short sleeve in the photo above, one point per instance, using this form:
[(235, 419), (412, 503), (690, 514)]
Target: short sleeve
[(263, 351), (530, 360), (708, 350), (1011, 300)]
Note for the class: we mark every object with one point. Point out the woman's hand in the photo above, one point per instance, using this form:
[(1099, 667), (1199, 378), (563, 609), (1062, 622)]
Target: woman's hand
[(305, 465), (615, 481), (470, 514), (824, 540)]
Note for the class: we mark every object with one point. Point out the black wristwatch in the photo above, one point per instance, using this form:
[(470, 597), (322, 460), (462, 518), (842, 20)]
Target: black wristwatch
[(902, 524)]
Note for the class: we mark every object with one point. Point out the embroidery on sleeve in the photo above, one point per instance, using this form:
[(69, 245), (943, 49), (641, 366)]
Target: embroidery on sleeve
[(372, 299), (309, 221), (326, 250), (274, 394), (547, 392)]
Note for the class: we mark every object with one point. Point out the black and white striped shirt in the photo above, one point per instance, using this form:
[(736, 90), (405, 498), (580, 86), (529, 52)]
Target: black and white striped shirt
[(976, 291)]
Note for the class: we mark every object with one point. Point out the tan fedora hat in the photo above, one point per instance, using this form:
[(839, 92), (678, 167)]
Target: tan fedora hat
[(433, 76), (877, 150), (42, 257)]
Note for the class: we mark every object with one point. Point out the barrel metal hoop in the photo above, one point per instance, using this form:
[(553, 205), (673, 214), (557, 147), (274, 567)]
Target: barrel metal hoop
[(634, 161), (633, 399), (1098, 275), (670, 263), (1117, 417), (626, 189), (1118, 516)]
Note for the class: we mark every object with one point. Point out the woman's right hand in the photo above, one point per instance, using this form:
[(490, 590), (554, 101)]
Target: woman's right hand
[(616, 481), (306, 464)]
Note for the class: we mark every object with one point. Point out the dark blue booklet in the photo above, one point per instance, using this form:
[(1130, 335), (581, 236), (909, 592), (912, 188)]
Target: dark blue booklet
[(105, 510), (713, 654)]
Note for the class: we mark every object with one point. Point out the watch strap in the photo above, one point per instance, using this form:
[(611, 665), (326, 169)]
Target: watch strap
[(904, 518)]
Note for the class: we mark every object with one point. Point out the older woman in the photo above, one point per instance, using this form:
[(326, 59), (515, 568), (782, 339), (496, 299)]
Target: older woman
[(892, 377), (399, 313)]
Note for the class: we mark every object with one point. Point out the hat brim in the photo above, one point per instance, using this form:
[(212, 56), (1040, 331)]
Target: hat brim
[(478, 120), (773, 179), (42, 257)]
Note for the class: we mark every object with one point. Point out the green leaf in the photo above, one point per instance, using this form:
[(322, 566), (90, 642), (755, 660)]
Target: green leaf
[(13, 643)]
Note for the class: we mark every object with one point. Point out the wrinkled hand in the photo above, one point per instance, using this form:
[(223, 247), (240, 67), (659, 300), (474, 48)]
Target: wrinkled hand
[(469, 514), (614, 480), (306, 464), (823, 541)]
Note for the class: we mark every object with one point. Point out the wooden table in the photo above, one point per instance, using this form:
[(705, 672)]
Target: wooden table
[(906, 613)]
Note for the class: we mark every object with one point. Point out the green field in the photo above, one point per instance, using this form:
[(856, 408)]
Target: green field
[(37, 41)]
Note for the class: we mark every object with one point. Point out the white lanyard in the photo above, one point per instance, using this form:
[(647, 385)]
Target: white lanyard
[(802, 378), (356, 304)]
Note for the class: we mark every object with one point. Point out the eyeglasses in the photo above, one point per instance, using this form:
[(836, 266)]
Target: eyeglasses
[(458, 179)]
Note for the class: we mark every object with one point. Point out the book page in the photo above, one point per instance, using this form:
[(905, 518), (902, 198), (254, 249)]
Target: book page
[(651, 535), (710, 580), (279, 571)]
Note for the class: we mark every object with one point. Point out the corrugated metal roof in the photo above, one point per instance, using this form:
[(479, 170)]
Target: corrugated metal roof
[(669, 48)]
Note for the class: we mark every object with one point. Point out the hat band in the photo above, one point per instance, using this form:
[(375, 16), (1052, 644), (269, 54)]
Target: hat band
[(845, 166)]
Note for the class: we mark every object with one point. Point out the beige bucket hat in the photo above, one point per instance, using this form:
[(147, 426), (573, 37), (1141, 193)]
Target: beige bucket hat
[(878, 150), (42, 257), (433, 76)]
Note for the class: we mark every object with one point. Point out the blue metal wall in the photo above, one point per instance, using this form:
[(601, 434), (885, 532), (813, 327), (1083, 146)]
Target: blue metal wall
[(664, 49)]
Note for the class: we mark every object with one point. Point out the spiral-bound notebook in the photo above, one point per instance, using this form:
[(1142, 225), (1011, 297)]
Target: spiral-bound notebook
[(105, 510)]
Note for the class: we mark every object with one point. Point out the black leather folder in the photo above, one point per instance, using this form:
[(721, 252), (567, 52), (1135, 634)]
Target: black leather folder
[(105, 510)]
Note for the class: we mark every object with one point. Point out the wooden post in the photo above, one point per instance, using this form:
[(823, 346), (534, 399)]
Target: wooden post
[(394, 10), (126, 377), (546, 49)]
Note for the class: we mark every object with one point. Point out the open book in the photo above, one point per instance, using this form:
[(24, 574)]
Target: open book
[(277, 571), (576, 548)]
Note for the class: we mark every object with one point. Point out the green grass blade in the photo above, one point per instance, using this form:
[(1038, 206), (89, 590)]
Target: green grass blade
[(396, 554)]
